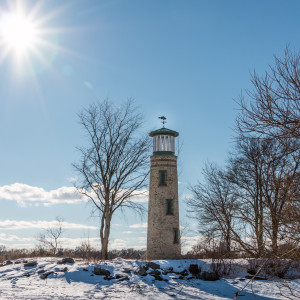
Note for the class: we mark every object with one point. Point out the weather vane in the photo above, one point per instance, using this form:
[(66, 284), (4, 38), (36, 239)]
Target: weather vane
[(163, 118)]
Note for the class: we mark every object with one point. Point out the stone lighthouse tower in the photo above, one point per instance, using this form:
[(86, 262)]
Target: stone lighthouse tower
[(163, 238)]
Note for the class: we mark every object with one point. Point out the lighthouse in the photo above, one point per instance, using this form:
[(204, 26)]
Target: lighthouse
[(163, 237)]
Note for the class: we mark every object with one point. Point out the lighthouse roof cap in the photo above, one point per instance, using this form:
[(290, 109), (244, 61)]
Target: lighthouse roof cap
[(164, 131)]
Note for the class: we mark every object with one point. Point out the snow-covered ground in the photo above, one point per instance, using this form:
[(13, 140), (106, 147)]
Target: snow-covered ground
[(79, 282)]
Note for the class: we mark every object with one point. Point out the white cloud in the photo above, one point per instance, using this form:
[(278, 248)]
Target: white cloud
[(76, 242), (140, 196), (30, 195), (128, 232), (139, 225), (72, 179), (17, 242), (187, 242), (14, 241), (191, 239), (16, 224), (118, 244), (114, 244), (143, 247), (187, 197), (23, 193), (11, 237), (19, 245)]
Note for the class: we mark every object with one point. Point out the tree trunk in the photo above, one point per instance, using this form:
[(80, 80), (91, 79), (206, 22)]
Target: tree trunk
[(104, 254), (275, 226), (228, 238), (104, 234), (259, 228), (260, 236)]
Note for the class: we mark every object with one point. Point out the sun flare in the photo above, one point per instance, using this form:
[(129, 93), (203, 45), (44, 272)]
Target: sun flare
[(29, 37), (17, 32)]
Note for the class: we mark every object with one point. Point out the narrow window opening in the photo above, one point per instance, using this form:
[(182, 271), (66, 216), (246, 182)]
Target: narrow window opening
[(163, 177), (176, 235), (169, 206)]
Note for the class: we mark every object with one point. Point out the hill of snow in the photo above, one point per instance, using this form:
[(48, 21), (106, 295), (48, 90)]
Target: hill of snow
[(51, 278)]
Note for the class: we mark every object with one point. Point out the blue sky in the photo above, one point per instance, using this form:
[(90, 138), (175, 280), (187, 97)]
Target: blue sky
[(187, 60)]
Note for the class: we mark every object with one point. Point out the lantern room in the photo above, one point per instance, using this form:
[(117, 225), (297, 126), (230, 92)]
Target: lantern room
[(163, 141)]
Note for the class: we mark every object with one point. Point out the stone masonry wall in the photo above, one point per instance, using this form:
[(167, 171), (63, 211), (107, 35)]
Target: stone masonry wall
[(160, 238)]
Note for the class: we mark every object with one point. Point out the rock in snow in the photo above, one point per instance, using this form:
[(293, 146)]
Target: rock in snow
[(45, 275), (100, 271), (30, 263), (66, 260), (142, 271), (153, 265), (155, 272), (194, 269), (209, 276)]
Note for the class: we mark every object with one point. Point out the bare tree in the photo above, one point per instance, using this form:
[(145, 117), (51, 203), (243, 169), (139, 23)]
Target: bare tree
[(272, 109), (280, 189), (290, 228), (114, 163), (271, 112), (85, 250), (245, 172), (253, 200), (50, 237), (214, 205), (267, 181)]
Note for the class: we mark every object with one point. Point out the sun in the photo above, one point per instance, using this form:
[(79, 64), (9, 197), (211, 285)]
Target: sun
[(30, 39), (17, 32)]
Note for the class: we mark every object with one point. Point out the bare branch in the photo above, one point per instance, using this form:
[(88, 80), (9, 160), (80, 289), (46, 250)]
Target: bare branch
[(115, 161)]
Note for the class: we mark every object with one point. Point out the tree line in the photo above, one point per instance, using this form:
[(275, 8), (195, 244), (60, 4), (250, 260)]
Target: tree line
[(83, 251), (252, 203)]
